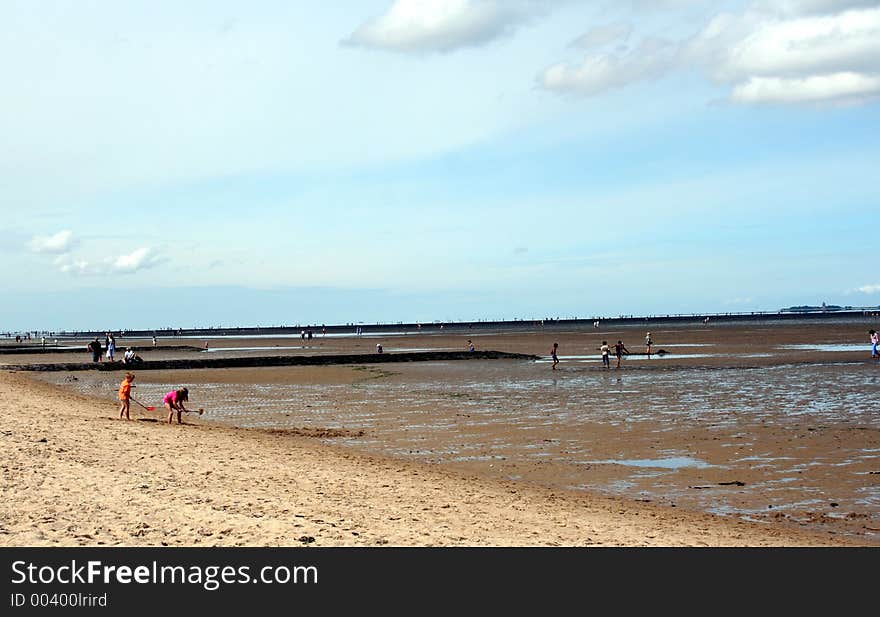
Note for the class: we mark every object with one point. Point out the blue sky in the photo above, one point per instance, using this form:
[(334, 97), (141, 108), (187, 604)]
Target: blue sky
[(213, 163)]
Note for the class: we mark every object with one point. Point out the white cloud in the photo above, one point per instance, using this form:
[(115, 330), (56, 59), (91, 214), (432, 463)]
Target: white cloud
[(140, 259), (811, 7), (870, 289), (603, 35), (812, 59), (60, 242), (441, 25), (817, 45), (773, 52), (600, 72), (70, 265), (844, 87)]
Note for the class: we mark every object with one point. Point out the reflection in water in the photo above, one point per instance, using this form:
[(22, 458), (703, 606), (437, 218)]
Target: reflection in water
[(676, 462), (826, 347)]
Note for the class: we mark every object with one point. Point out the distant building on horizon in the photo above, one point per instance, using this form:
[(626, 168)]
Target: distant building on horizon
[(826, 308)]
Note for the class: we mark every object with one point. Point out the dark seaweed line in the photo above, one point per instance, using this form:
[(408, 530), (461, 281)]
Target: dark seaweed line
[(264, 361)]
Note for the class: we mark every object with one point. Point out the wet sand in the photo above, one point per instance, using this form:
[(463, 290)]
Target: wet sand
[(727, 423)]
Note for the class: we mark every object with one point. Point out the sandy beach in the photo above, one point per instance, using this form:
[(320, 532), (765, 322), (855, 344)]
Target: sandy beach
[(73, 474)]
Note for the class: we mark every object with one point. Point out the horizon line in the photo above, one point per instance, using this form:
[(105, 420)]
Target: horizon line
[(787, 313)]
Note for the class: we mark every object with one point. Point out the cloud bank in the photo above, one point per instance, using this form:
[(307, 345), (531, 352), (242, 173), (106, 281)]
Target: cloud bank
[(775, 52)]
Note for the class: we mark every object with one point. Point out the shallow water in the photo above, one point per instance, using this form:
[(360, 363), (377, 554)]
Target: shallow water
[(828, 347), (675, 462), (516, 395), (308, 346)]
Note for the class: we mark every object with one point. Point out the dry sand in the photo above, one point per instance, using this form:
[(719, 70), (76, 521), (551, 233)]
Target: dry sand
[(73, 474)]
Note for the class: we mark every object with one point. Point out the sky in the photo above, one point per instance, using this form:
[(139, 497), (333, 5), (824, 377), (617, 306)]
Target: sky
[(206, 164)]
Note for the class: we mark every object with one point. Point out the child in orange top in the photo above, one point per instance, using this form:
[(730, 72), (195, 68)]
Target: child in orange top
[(125, 395)]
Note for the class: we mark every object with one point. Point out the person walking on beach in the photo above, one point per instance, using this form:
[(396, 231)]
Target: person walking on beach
[(95, 348), (378, 347), (606, 354), (154, 341), (648, 344), (174, 402), (875, 340), (554, 356), (619, 350), (125, 396), (471, 345), (111, 349)]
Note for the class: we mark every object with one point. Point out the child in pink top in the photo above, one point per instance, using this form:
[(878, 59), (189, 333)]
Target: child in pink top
[(174, 401)]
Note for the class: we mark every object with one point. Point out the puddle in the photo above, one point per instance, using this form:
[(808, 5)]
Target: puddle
[(266, 348), (676, 462), (630, 358), (669, 356), (828, 347), (315, 335), (421, 349)]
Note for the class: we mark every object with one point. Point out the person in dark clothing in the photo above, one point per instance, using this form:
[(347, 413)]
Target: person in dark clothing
[(620, 350), (96, 349)]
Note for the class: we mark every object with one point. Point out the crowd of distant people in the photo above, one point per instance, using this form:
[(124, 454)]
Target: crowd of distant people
[(107, 351)]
